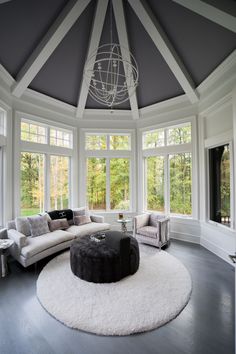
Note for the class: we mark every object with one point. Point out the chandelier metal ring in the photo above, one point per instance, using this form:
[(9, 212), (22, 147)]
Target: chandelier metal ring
[(111, 74)]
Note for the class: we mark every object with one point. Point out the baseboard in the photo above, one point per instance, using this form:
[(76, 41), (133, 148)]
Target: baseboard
[(218, 251), (185, 237)]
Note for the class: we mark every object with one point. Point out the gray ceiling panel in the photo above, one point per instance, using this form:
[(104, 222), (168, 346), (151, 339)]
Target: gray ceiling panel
[(61, 75), (23, 23), (157, 82), (201, 43)]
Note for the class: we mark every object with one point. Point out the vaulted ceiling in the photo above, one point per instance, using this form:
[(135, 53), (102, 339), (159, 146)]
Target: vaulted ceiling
[(198, 44)]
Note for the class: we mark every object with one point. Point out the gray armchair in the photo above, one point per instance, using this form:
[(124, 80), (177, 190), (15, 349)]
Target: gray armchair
[(152, 229)]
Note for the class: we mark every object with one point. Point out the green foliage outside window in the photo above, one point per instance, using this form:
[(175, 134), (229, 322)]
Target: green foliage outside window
[(96, 142), (96, 183), (155, 183), (119, 184), (179, 135), (59, 182), (180, 184), (32, 183)]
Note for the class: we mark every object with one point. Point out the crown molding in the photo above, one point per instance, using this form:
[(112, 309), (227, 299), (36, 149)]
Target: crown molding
[(217, 85)]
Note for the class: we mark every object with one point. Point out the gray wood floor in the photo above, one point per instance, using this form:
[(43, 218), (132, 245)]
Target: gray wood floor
[(205, 326)]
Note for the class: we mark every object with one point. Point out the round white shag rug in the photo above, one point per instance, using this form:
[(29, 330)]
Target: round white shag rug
[(151, 297)]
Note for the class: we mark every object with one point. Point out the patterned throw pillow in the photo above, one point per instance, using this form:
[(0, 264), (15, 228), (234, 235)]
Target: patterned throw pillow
[(38, 225), (23, 226), (82, 220), (58, 224)]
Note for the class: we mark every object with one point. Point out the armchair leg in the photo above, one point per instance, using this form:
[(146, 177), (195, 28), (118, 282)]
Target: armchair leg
[(159, 245)]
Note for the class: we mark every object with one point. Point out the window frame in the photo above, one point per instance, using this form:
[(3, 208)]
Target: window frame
[(211, 143), (47, 150), (108, 154), (165, 151)]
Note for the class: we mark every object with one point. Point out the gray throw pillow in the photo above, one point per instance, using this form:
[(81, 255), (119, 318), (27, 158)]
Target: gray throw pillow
[(38, 225), (82, 220), (23, 226), (58, 224), (80, 211)]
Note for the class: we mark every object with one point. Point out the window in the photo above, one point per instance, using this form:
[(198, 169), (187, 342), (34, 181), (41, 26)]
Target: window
[(45, 171), (219, 184), (153, 139), (167, 156), (180, 184), (119, 184), (59, 182), (60, 138), (96, 183), (107, 142), (95, 142), (179, 135), (155, 183), (33, 132), (108, 179), (120, 142), (32, 183)]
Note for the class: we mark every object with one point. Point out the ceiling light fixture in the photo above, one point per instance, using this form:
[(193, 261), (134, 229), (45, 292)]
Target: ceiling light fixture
[(111, 73)]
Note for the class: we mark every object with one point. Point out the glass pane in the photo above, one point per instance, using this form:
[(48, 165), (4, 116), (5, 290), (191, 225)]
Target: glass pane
[(59, 182), (96, 142), (181, 184), (57, 138), (119, 142), (32, 183), (179, 135), (119, 184), (155, 183), (96, 183), (219, 170), (153, 139), (33, 133)]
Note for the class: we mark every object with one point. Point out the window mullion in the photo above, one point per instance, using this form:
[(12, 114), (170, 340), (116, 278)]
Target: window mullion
[(108, 185), (167, 184), (47, 182)]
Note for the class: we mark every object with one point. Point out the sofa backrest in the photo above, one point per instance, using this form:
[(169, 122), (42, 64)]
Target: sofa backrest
[(11, 225)]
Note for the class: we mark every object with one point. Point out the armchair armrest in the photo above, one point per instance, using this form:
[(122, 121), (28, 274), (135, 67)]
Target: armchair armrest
[(163, 220), (3, 233), (140, 221), (19, 238), (97, 218)]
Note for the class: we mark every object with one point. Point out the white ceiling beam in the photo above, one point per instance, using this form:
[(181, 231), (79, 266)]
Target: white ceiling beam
[(124, 43), (210, 12), (165, 47), (97, 27), (48, 44)]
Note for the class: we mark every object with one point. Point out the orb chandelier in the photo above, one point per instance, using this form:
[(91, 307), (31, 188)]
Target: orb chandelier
[(111, 73)]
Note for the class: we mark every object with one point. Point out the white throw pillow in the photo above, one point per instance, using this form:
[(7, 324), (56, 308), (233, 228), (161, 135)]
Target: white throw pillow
[(38, 225), (23, 226)]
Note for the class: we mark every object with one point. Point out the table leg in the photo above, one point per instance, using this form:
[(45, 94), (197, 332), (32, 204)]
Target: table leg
[(3, 268), (124, 228)]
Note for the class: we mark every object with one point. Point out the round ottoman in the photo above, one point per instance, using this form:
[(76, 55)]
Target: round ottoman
[(104, 262)]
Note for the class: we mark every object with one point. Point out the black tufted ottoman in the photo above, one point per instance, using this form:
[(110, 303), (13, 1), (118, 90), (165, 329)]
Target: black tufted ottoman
[(106, 261)]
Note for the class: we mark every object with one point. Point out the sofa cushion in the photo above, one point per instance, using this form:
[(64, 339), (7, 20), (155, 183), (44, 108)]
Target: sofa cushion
[(88, 229), (23, 225), (38, 225), (82, 219), (149, 231), (58, 224), (41, 243)]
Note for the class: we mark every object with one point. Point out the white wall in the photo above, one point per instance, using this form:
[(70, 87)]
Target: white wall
[(216, 128)]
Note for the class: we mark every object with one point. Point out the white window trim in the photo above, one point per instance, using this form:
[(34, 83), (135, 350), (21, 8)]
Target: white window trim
[(47, 150), (218, 140), (108, 154), (165, 151)]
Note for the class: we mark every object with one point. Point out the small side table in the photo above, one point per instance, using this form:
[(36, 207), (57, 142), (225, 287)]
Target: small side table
[(5, 244), (123, 223)]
